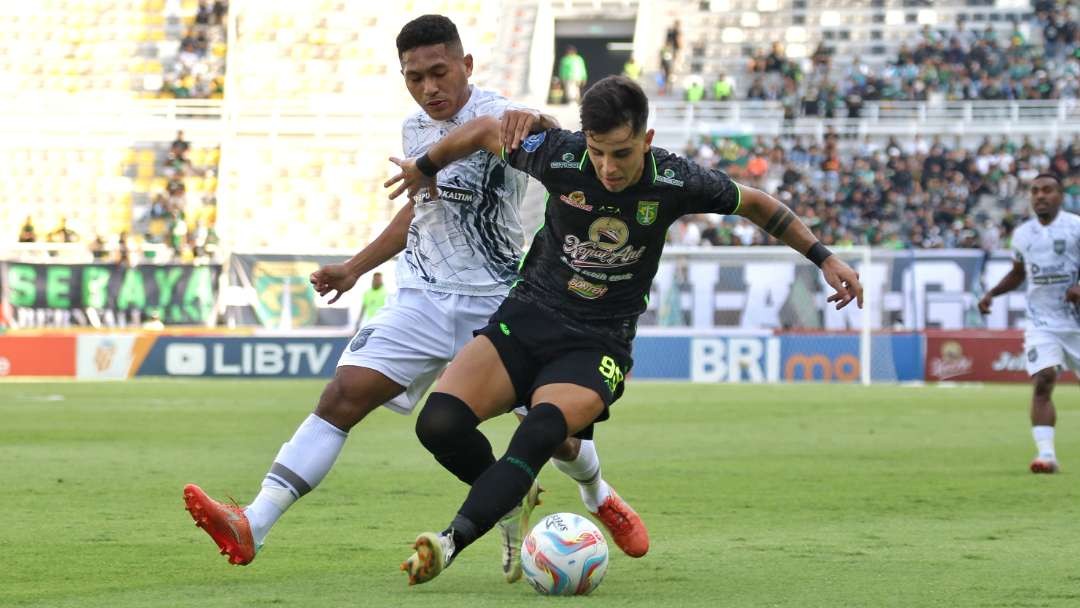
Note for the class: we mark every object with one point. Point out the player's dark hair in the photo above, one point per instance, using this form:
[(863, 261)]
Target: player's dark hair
[(428, 30), (1056, 179), (613, 102)]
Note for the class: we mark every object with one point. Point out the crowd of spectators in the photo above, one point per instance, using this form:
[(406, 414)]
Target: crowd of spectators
[(1039, 59), (887, 193), (198, 71), (170, 229), (185, 227)]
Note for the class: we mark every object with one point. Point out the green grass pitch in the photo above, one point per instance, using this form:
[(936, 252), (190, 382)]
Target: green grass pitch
[(795, 496)]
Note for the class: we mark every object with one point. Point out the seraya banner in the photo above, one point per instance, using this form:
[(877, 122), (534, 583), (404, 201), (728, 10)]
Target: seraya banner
[(106, 295)]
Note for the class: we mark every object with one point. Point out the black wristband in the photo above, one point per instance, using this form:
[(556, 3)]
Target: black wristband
[(818, 254), (426, 166)]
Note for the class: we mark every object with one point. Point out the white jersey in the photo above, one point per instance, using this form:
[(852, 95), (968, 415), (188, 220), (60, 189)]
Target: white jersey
[(469, 241), (1051, 258)]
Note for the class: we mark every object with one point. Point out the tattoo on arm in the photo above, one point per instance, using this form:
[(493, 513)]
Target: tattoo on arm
[(779, 221)]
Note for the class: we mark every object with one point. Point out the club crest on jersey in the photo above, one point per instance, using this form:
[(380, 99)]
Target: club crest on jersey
[(576, 199), (585, 289), (533, 141), (1059, 246), (646, 212), (567, 162), (669, 178), (361, 339)]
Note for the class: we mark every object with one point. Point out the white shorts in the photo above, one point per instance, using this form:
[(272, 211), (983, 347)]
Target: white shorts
[(413, 337), (1049, 348)]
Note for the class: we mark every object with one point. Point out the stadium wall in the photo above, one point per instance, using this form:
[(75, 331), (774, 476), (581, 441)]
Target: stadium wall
[(711, 357)]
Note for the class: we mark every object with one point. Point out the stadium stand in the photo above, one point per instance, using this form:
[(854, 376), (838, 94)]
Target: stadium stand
[(298, 146), (910, 193)]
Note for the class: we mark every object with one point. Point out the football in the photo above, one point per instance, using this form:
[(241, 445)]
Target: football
[(564, 554)]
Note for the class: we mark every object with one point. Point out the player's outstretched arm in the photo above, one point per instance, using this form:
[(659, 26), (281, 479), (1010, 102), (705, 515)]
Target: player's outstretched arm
[(517, 124), (1009, 282), (483, 133), (390, 242), (778, 220)]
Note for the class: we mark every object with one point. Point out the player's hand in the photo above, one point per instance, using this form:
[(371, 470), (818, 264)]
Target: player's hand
[(516, 126), (987, 300), (411, 179), (1072, 295), (333, 277), (844, 280)]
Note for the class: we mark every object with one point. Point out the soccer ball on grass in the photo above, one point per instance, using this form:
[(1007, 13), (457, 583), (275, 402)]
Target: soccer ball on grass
[(564, 554)]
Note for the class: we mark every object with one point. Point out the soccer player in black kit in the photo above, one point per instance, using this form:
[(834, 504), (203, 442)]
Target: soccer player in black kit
[(561, 340)]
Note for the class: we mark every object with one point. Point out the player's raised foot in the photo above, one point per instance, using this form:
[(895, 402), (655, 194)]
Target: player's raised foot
[(624, 524), (1044, 465), (511, 530), (434, 552), (226, 524)]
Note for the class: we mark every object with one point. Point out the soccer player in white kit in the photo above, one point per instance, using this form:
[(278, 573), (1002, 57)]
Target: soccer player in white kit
[(1046, 251), (461, 252)]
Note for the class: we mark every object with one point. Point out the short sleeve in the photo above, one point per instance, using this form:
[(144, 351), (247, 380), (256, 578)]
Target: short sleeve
[(536, 152), (497, 106), (1016, 245), (405, 133), (709, 190)]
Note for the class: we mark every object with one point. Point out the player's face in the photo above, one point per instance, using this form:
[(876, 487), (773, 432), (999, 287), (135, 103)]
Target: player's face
[(1045, 196), (618, 156), (437, 77)]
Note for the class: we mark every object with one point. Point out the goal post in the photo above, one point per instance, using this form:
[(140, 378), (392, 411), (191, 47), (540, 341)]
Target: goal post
[(711, 290)]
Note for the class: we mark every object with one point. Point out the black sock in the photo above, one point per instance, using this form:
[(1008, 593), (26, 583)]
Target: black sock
[(505, 483), (447, 428)]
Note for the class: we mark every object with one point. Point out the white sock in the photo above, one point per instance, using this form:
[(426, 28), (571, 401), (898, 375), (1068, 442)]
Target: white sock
[(300, 465), (1044, 441), (585, 469)]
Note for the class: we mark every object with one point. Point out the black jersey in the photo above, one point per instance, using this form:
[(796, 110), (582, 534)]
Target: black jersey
[(594, 258)]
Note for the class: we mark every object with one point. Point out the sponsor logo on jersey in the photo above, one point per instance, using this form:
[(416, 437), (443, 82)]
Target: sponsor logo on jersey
[(668, 178), (576, 199), (646, 212), (1051, 279), (1033, 354), (603, 276), (585, 289), (607, 246), (533, 141), (1050, 275), (567, 162), (609, 209), (446, 193), (1059, 246)]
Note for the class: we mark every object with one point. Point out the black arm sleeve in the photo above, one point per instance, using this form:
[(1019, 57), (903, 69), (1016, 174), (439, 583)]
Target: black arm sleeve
[(536, 152), (709, 190)]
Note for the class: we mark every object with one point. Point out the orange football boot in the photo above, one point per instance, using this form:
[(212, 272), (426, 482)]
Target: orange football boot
[(226, 524), (624, 524), (1044, 465)]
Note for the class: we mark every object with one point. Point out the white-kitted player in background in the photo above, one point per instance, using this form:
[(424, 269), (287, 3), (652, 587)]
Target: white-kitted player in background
[(1046, 251)]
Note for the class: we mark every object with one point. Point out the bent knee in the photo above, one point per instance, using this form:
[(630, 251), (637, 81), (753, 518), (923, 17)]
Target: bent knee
[(443, 418), (568, 450), (348, 398)]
